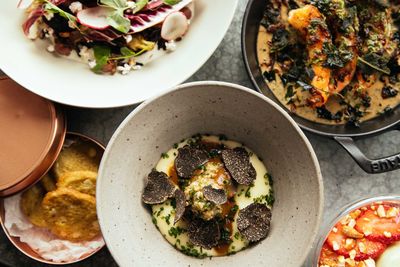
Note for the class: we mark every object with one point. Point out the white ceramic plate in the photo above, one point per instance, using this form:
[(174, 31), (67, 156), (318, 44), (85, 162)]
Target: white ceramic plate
[(73, 83), (215, 108)]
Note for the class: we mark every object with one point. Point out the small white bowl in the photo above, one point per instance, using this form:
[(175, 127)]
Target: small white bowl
[(216, 108), (73, 83)]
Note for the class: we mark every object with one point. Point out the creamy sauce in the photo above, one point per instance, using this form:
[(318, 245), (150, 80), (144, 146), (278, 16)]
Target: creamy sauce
[(163, 214), (377, 107)]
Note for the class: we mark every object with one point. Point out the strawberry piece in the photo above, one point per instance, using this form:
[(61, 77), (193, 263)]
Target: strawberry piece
[(376, 228), (346, 246), (328, 257)]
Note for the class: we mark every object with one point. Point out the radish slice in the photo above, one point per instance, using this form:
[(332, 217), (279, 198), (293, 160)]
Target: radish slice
[(95, 17), (23, 4), (148, 18), (175, 25)]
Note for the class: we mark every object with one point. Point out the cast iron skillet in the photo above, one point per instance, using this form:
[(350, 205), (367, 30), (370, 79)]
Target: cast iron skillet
[(343, 134)]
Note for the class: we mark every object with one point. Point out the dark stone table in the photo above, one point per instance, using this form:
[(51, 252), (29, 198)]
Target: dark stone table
[(344, 181)]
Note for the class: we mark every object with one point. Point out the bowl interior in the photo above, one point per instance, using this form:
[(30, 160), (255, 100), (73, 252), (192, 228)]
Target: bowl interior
[(251, 22), (86, 89), (215, 108)]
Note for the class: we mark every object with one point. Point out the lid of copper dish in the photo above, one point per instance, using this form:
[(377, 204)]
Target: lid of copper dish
[(32, 131)]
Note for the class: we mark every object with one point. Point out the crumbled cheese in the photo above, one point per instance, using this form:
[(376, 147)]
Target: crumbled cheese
[(48, 15), (334, 229), (86, 54), (170, 46), (75, 7), (92, 63), (50, 48), (136, 67), (125, 69), (128, 38), (71, 24)]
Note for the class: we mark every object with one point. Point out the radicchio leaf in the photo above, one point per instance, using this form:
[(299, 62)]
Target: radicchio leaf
[(33, 16), (150, 17)]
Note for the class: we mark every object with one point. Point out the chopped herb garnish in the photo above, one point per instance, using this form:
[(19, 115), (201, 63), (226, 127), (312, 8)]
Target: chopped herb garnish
[(164, 155), (167, 219), (175, 231), (247, 194)]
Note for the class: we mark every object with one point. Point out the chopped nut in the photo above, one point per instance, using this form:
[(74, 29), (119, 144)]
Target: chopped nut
[(392, 212), (335, 246), (350, 262), (387, 234), (352, 254), (367, 232), (355, 214), (352, 223), (345, 220), (334, 229), (381, 211), (369, 263), (362, 247), (351, 232)]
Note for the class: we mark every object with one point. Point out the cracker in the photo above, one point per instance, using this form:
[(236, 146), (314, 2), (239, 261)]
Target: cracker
[(71, 215)]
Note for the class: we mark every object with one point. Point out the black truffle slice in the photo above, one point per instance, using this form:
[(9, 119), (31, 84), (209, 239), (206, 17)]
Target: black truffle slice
[(217, 196), (188, 160), (158, 188), (254, 221), (237, 162), (204, 233), (180, 204)]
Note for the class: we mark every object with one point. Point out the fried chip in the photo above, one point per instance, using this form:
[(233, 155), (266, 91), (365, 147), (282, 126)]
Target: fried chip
[(254, 221), (237, 162), (82, 181), (204, 233), (48, 183), (71, 215), (158, 188), (188, 160), (31, 205), (78, 156), (180, 204), (217, 196)]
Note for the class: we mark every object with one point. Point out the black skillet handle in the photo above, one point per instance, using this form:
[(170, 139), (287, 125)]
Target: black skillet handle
[(380, 165)]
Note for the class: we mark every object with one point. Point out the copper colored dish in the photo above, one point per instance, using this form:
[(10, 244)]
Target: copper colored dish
[(25, 248)]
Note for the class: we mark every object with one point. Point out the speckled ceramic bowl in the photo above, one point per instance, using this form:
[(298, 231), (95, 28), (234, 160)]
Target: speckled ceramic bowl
[(216, 108)]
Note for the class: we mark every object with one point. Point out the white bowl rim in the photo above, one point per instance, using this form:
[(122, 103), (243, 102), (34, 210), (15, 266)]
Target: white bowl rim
[(224, 84)]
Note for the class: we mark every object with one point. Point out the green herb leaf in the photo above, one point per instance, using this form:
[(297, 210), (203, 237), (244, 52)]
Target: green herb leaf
[(117, 4), (55, 9), (140, 4), (374, 61), (125, 51), (102, 55), (119, 22), (171, 2)]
